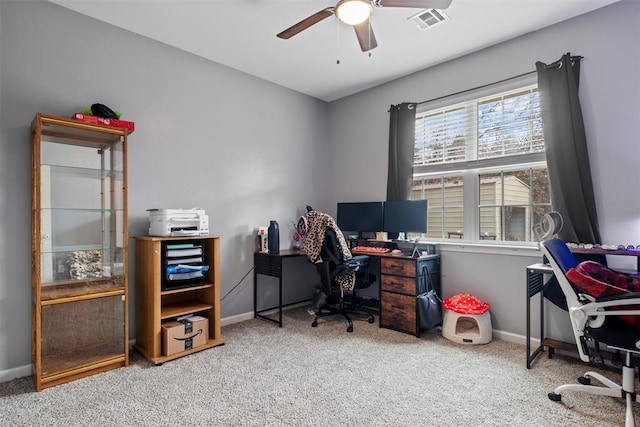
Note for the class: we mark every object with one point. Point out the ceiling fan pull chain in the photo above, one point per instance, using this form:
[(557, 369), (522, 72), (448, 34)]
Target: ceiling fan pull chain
[(338, 40), (369, 52)]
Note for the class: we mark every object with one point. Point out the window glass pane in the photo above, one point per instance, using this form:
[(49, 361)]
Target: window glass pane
[(538, 213), (517, 225), (433, 192), (509, 124), (446, 205), (434, 223), (453, 201), (490, 189), (441, 136), (490, 222), (540, 186), (453, 191), (454, 222), (515, 187)]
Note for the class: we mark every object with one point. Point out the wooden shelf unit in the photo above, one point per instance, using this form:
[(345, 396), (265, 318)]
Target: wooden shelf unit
[(153, 305)]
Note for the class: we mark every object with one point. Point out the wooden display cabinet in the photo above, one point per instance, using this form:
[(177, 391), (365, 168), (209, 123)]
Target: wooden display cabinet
[(154, 305), (79, 249)]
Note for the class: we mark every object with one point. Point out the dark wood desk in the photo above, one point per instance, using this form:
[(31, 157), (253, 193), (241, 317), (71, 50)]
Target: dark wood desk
[(271, 265), (597, 251)]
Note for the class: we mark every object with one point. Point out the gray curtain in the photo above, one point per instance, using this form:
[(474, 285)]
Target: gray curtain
[(566, 149), (402, 131)]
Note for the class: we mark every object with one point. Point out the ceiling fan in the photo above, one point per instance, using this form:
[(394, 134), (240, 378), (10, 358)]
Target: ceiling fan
[(357, 13)]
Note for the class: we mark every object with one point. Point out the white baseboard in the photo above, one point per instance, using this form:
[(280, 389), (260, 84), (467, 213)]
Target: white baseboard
[(249, 315), (236, 319), (515, 338), (13, 373)]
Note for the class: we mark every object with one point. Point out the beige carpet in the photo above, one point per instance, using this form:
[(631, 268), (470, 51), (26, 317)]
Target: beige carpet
[(303, 376)]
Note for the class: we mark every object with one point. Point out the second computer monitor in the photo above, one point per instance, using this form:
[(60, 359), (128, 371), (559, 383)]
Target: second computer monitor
[(405, 216), (360, 216)]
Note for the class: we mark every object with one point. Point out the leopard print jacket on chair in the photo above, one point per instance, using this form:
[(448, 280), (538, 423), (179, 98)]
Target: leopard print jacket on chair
[(312, 227)]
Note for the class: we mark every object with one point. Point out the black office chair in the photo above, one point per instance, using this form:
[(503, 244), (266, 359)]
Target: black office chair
[(597, 320), (340, 273)]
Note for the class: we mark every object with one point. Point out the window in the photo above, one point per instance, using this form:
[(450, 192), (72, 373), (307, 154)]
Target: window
[(480, 163)]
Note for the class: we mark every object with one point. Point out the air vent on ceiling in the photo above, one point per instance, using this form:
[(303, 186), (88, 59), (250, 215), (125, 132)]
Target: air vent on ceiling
[(428, 18)]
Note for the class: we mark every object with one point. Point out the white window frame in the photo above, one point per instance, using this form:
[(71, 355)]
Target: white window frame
[(471, 169)]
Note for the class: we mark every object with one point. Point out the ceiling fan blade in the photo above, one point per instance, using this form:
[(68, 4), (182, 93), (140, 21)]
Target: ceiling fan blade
[(422, 4), (306, 23), (365, 35)]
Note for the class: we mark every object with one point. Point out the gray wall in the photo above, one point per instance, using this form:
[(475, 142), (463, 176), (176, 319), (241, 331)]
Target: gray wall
[(207, 136), (248, 151), (610, 95)]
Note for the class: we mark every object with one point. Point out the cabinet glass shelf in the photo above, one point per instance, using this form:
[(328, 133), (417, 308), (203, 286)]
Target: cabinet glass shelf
[(90, 172), (80, 289)]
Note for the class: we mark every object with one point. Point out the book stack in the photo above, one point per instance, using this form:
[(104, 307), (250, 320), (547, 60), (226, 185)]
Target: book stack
[(183, 264)]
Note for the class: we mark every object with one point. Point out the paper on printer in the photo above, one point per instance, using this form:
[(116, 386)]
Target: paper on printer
[(178, 222)]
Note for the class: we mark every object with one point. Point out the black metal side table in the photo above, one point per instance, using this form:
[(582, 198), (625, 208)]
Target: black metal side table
[(535, 285), (270, 265)]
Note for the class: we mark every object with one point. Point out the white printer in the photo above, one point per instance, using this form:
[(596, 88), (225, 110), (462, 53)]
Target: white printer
[(178, 222)]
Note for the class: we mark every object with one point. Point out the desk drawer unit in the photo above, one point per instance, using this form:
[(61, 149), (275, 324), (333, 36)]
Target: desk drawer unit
[(402, 279), (398, 312), (398, 267), (403, 285)]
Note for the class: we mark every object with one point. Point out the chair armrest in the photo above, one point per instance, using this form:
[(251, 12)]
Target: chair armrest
[(617, 305)]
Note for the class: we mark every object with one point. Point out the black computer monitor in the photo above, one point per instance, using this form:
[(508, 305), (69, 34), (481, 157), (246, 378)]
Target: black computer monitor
[(360, 216), (405, 216)]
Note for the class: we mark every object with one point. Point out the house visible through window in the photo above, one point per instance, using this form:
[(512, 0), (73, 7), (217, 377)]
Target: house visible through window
[(479, 160)]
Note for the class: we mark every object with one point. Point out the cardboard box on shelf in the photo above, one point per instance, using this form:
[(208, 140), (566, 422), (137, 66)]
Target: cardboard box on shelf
[(123, 124), (187, 334)]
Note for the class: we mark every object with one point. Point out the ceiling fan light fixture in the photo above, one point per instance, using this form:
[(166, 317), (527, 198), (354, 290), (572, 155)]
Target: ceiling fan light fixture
[(353, 12)]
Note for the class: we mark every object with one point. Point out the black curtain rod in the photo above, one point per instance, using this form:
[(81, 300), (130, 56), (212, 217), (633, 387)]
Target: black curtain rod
[(476, 88)]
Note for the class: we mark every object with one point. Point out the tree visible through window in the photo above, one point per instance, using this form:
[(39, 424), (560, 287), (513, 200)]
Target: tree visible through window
[(484, 154)]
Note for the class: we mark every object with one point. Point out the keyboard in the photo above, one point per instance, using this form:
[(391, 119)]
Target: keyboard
[(370, 249)]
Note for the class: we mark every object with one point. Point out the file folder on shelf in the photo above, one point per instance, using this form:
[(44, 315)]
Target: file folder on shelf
[(177, 261), (184, 252), (184, 276)]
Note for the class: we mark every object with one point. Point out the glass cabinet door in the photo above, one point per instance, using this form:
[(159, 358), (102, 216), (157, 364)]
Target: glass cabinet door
[(81, 217)]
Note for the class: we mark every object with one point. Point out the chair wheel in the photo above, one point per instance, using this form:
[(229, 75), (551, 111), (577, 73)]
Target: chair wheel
[(371, 319), (350, 328), (616, 360), (554, 396), (314, 324), (584, 380)]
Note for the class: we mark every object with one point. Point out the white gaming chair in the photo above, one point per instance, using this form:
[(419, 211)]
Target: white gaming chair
[(595, 319)]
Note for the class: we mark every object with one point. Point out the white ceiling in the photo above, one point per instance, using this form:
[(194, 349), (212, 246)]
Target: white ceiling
[(242, 34)]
